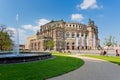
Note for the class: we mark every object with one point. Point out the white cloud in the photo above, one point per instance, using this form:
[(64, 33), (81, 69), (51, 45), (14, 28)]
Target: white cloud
[(30, 27), (11, 28), (13, 32), (22, 35), (77, 17), (35, 28), (27, 27), (27, 30), (42, 21), (92, 4)]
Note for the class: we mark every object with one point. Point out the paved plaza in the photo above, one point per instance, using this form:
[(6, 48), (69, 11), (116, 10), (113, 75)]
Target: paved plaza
[(93, 69)]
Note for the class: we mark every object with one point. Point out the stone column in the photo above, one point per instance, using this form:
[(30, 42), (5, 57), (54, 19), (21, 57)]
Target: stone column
[(70, 42), (80, 42), (51, 32), (85, 42), (76, 47), (70, 45), (54, 34), (91, 40), (42, 45), (30, 46), (36, 45), (96, 41)]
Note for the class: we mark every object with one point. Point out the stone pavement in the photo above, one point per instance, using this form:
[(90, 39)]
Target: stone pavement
[(93, 69)]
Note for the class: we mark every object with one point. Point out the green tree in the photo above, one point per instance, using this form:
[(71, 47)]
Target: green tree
[(49, 44), (110, 41), (5, 38)]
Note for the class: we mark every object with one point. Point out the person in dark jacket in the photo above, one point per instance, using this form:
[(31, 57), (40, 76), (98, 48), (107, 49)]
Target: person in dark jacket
[(104, 53), (117, 54)]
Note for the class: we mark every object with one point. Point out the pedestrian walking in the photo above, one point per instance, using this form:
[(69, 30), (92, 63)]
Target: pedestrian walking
[(117, 54)]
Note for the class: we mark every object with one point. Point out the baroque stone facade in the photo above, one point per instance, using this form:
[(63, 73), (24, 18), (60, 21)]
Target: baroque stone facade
[(66, 36)]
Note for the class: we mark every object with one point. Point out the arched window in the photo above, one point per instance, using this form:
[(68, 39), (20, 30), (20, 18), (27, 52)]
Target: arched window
[(67, 43), (73, 43), (80, 27), (73, 25), (73, 46)]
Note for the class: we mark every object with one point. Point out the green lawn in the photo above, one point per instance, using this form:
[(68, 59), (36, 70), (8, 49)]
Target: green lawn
[(40, 70), (112, 59)]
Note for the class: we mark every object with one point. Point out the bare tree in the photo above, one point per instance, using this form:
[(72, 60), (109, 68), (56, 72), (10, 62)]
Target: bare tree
[(110, 41)]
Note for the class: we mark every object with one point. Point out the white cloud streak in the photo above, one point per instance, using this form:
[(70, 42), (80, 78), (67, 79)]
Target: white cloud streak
[(30, 27), (89, 4), (77, 17)]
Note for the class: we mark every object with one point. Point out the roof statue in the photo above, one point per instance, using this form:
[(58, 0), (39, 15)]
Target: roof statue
[(91, 22)]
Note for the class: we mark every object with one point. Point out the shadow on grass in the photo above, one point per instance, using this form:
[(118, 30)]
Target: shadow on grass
[(112, 59), (115, 62), (40, 70)]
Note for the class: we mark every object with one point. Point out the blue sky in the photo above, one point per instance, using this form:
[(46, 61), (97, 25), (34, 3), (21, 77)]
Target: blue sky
[(33, 13)]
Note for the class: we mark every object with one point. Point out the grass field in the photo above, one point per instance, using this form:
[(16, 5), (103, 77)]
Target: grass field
[(113, 59), (40, 70)]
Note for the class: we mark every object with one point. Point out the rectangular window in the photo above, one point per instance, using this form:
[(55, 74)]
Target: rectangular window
[(77, 35), (73, 35), (67, 35)]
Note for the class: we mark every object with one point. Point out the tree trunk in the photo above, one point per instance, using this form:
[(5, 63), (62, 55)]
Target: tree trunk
[(1, 47)]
